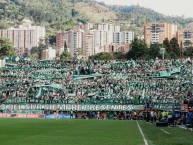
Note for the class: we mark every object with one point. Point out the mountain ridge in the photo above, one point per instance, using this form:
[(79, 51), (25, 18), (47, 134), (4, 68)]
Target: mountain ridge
[(63, 14)]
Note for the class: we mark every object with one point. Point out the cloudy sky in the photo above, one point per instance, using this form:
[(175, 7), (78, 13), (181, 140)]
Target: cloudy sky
[(168, 7)]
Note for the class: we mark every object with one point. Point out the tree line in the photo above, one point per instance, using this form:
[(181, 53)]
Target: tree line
[(139, 50)]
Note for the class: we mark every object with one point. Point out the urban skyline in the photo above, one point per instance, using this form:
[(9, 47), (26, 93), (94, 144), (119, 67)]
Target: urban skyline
[(90, 39), (105, 38)]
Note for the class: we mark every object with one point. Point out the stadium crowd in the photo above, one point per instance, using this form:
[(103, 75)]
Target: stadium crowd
[(137, 82), (96, 82)]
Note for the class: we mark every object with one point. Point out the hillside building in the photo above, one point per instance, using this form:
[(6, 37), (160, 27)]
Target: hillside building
[(88, 40), (24, 37), (185, 36), (157, 32)]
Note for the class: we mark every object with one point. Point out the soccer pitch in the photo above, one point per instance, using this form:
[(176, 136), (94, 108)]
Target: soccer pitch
[(88, 132)]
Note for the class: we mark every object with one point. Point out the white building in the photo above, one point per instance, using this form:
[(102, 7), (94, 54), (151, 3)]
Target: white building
[(100, 40), (49, 54), (24, 37), (128, 37), (123, 37), (92, 41), (89, 46), (85, 27), (109, 27), (75, 40)]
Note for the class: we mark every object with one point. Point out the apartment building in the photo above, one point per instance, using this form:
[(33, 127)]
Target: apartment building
[(110, 48), (89, 46), (75, 40), (24, 37), (85, 27), (185, 36), (60, 40), (157, 32), (123, 37), (108, 27), (49, 54), (92, 39), (100, 39)]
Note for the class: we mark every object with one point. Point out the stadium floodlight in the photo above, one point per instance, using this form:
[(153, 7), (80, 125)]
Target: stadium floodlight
[(162, 51)]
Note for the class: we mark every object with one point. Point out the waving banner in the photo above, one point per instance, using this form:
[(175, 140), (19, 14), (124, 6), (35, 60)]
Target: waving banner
[(70, 107)]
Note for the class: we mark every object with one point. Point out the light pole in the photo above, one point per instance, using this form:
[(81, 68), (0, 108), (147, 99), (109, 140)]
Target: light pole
[(162, 51)]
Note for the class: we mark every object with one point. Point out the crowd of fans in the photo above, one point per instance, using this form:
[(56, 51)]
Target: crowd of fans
[(137, 82), (96, 82)]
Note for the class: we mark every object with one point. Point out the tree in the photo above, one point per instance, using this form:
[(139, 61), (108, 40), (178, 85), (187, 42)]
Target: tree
[(34, 50), (119, 55), (188, 43), (34, 56), (79, 53), (102, 56), (6, 48), (139, 50), (74, 12), (65, 55), (25, 55), (155, 50), (3, 24), (167, 45), (65, 46), (41, 48), (175, 47), (189, 52), (52, 39)]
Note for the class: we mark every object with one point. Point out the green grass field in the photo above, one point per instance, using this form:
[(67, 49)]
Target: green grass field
[(88, 132)]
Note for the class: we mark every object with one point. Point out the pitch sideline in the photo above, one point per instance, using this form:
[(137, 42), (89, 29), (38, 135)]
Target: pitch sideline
[(165, 131), (144, 139)]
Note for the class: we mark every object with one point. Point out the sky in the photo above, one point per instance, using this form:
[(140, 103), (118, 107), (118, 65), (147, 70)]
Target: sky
[(167, 7)]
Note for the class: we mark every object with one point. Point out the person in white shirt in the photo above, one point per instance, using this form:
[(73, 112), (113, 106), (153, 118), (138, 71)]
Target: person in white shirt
[(152, 116)]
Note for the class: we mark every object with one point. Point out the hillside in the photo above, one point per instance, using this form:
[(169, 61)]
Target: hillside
[(148, 15), (136, 16), (52, 13), (63, 14), (55, 14), (95, 12)]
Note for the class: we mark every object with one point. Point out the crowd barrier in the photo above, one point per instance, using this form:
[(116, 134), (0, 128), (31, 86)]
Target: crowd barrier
[(60, 116), (47, 116), (3, 115)]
